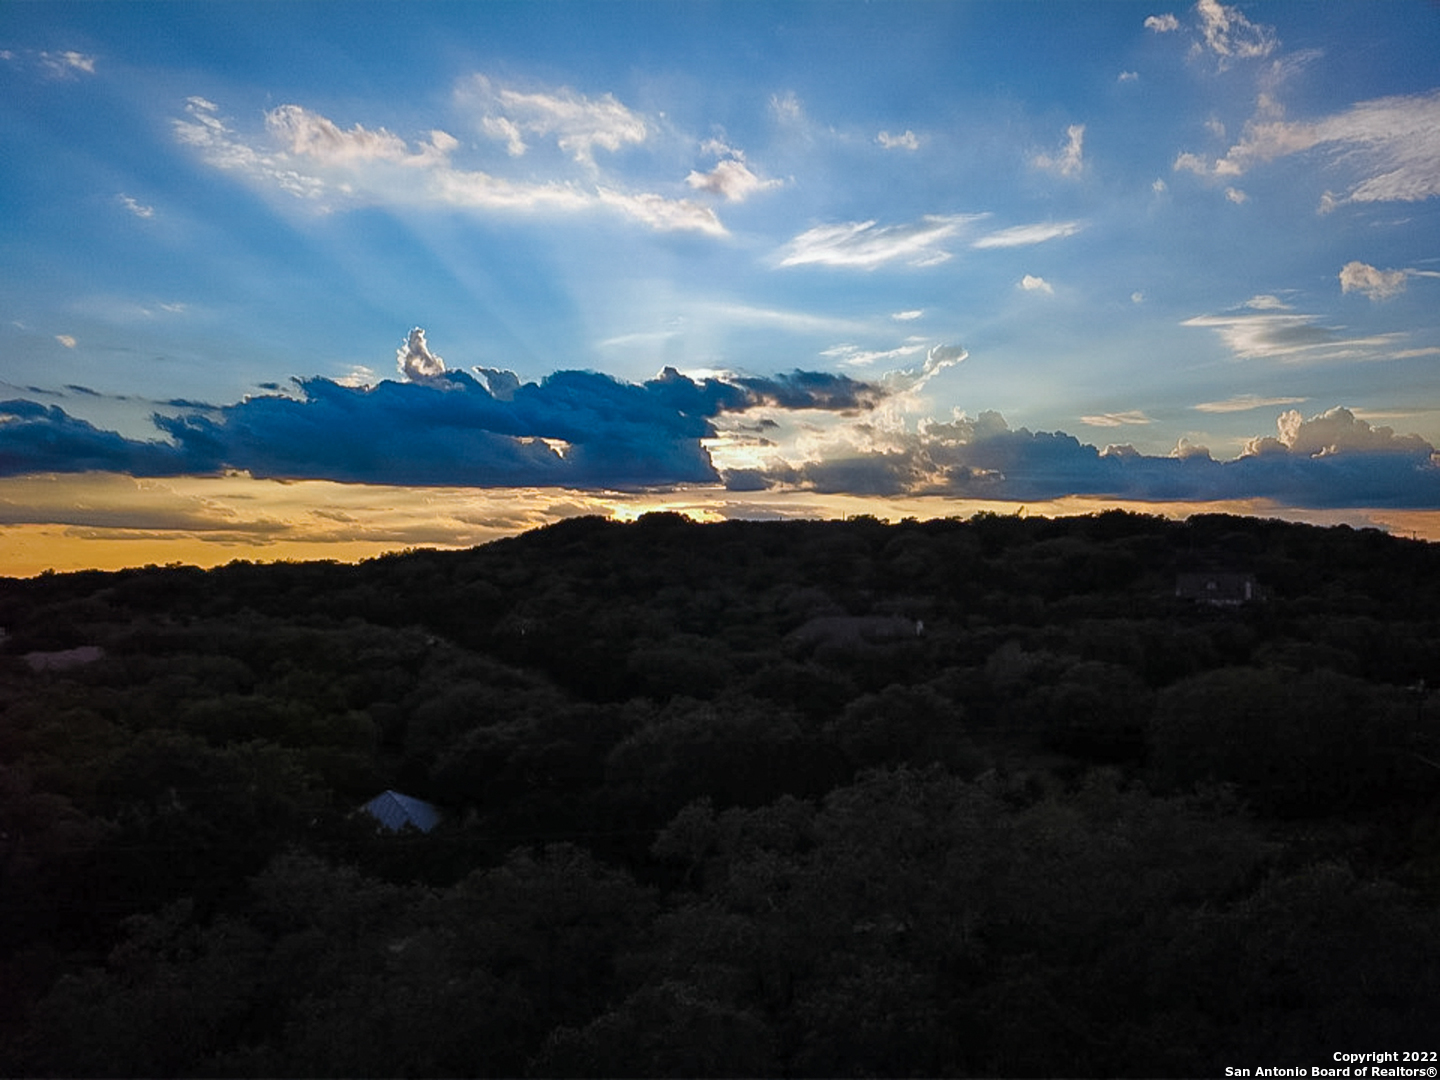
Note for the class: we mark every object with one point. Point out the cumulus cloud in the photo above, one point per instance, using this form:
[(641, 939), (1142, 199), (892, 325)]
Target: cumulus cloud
[(1235, 195), (1330, 461), (905, 141), (1374, 283), (937, 359), (415, 360), (67, 340), (1162, 24), (1031, 283), (1069, 160), (731, 178), (867, 245), (1128, 76), (907, 316), (1337, 431), (1378, 284), (1025, 235), (439, 427)]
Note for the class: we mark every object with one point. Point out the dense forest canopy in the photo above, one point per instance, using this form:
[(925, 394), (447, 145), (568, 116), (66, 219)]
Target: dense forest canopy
[(980, 797)]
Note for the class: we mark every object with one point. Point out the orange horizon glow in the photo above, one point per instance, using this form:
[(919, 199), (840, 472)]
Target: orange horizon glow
[(104, 521)]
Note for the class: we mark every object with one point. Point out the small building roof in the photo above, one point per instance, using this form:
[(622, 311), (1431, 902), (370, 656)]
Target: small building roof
[(394, 811)]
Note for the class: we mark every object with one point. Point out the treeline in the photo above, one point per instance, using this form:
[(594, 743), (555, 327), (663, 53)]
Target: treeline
[(977, 797)]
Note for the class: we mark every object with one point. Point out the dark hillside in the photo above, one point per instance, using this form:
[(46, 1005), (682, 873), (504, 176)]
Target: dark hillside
[(981, 797)]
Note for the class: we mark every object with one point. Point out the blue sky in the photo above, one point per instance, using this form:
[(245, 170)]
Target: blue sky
[(1135, 252)]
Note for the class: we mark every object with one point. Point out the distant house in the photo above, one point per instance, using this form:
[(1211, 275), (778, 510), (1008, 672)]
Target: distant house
[(395, 811), (1222, 588)]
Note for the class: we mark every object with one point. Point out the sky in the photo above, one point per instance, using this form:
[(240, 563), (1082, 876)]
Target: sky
[(286, 280)]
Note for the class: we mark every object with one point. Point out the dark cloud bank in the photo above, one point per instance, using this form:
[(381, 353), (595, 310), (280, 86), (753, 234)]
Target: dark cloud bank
[(585, 430), (1361, 466), (574, 429)]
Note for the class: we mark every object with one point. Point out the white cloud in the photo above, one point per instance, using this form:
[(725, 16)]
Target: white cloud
[(1070, 159), (906, 141), (136, 208), (907, 316), (1266, 302), (1162, 24), (577, 123), (1128, 76), (1291, 338), (1228, 34), (1375, 283), (1216, 127), (1390, 145), (662, 214), (1030, 283), (314, 159), (1236, 196), (66, 340), (865, 245), (907, 384), (787, 107), (731, 179), (1246, 402), (1121, 419), (1188, 162), (1137, 297), (310, 135), (854, 356), (1159, 187), (1336, 431), (415, 361), (63, 64), (1023, 235)]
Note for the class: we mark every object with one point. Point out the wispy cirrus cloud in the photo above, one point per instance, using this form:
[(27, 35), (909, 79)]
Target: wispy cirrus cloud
[(67, 63), (310, 157), (855, 356), (1128, 418), (578, 124), (135, 207), (868, 245), (1292, 338), (1245, 403), (1025, 235), (1222, 31), (1230, 35), (1389, 147)]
